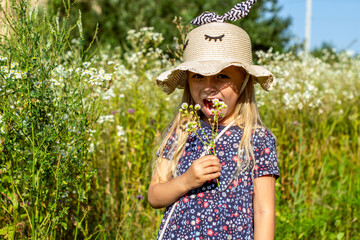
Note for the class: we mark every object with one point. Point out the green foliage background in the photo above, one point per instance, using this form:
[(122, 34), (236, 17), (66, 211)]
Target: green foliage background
[(78, 132), (116, 17)]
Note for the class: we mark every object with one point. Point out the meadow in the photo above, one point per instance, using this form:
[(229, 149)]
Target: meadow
[(78, 131)]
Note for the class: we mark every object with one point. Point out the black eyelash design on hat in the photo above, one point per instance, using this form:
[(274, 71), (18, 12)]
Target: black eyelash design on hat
[(214, 38), (239, 11)]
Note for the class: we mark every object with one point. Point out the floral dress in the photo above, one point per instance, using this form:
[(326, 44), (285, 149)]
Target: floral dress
[(207, 212)]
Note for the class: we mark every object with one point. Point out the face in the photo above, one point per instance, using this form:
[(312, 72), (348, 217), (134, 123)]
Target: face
[(224, 86)]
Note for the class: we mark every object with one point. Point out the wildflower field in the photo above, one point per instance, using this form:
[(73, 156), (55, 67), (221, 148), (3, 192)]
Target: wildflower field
[(78, 130)]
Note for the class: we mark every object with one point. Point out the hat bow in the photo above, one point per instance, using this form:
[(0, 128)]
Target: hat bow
[(239, 11)]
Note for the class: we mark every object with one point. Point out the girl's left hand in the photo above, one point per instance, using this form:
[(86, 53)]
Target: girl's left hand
[(201, 170), (164, 190)]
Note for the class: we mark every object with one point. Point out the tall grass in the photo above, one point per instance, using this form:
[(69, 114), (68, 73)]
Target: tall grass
[(68, 174), (134, 114), (314, 112)]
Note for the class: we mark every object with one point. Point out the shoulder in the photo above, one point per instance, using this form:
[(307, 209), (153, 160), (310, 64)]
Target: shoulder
[(264, 147), (262, 137)]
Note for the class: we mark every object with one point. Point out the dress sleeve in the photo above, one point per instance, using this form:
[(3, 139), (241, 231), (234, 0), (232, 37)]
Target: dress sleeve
[(264, 147)]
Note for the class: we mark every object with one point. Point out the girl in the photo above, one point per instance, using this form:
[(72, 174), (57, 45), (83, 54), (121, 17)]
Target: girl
[(217, 65)]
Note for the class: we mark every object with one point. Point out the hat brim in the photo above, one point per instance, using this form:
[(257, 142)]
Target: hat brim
[(176, 77)]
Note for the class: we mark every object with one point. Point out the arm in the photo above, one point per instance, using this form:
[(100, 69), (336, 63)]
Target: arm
[(264, 207), (164, 190)]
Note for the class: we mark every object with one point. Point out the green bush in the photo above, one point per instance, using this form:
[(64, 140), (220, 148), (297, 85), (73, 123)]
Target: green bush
[(47, 110), (117, 17)]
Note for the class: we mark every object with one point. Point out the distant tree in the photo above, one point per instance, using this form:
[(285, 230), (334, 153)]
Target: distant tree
[(115, 17), (325, 47), (266, 28)]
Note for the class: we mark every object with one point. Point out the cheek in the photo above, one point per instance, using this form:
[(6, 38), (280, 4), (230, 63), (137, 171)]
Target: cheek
[(193, 96), (232, 100), (194, 92)]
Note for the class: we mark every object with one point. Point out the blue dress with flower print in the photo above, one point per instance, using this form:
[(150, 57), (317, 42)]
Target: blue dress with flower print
[(207, 212)]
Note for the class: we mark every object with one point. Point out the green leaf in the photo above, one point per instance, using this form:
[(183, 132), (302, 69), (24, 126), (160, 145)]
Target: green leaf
[(7, 232)]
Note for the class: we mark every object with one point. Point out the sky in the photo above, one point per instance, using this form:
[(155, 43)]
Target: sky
[(333, 21)]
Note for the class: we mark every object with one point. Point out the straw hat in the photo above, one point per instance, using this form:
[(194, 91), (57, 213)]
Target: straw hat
[(210, 48)]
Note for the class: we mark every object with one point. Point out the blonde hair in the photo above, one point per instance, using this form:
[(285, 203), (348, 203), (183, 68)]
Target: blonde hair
[(248, 119)]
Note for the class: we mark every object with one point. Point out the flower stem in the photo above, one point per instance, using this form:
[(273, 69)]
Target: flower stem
[(195, 118)]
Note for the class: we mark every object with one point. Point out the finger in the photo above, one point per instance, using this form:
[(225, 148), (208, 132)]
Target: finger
[(211, 176), (210, 164), (208, 160), (212, 169), (205, 168)]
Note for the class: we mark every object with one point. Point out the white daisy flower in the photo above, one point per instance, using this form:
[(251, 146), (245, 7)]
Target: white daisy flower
[(184, 106), (215, 101)]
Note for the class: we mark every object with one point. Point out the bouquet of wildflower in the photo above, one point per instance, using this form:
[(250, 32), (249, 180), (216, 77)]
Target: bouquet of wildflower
[(194, 123)]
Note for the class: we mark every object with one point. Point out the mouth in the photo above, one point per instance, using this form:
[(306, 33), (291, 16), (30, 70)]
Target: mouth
[(209, 106)]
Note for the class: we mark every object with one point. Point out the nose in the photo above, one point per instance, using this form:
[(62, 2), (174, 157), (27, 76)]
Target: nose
[(209, 82)]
